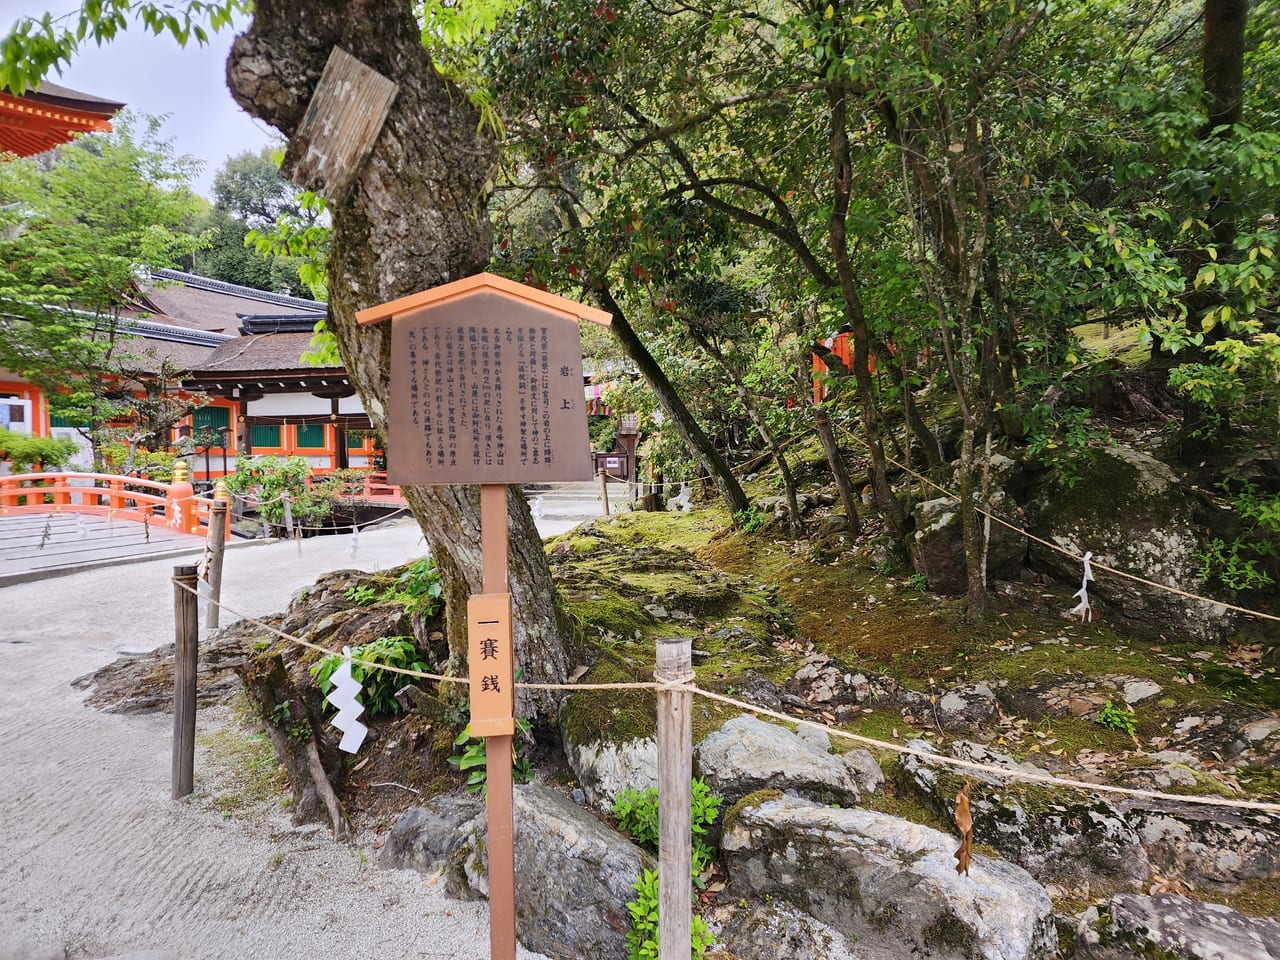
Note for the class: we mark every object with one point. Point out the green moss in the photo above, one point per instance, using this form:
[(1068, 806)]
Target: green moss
[(603, 612), (948, 935), (730, 817), (1099, 471), (610, 716)]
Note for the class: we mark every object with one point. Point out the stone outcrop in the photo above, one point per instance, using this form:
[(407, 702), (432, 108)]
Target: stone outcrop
[(889, 883), (778, 931), (937, 544), (1170, 927), (1132, 512), (1090, 845), (746, 755), (1080, 843), (605, 769), (423, 837), (1214, 847), (575, 876)]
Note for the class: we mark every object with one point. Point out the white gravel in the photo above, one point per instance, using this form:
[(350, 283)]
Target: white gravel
[(97, 860)]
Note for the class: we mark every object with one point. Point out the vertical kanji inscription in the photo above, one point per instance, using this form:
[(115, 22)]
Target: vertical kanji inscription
[(480, 397)]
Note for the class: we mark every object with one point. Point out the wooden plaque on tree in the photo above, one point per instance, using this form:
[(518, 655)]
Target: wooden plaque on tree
[(344, 118), (486, 385)]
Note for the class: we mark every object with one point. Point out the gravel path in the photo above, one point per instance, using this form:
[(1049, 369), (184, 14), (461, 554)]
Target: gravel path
[(95, 858)]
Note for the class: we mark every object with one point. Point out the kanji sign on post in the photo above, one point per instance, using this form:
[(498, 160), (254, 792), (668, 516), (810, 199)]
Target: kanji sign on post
[(489, 657), (486, 385)]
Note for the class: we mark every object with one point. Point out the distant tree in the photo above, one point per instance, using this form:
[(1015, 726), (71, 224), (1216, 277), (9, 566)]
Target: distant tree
[(74, 234), (249, 187), (252, 205)]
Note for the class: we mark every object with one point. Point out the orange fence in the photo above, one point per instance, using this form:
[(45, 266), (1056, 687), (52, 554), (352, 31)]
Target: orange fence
[(371, 487), (126, 498)]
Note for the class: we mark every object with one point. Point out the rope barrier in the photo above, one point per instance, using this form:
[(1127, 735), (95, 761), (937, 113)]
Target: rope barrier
[(687, 684), (1062, 550)]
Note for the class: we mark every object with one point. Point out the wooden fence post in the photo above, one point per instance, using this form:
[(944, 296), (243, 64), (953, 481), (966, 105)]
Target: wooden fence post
[(217, 544), (186, 632), (675, 800), (604, 489)]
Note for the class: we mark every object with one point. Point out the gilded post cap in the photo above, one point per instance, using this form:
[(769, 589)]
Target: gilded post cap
[(181, 472)]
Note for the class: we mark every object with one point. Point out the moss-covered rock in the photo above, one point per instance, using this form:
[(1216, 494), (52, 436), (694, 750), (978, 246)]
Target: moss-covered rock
[(1133, 513)]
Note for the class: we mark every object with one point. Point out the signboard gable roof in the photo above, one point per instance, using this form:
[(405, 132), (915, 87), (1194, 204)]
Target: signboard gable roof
[(485, 283)]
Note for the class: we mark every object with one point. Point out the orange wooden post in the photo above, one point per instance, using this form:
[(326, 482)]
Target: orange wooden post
[(522, 345), (491, 663), (182, 499)]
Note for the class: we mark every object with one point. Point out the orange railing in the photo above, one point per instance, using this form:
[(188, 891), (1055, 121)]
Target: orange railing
[(371, 486), (126, 498)]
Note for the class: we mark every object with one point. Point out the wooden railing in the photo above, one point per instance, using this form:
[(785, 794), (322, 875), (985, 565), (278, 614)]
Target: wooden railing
[(123, 498)]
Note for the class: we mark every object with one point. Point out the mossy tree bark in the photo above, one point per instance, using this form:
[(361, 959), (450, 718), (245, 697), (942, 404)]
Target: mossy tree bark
[(414, 218)]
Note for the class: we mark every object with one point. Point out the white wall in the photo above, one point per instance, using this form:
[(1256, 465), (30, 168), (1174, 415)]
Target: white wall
[(293, 404)]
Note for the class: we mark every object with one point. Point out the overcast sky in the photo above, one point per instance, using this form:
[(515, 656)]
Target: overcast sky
[(154, 75)]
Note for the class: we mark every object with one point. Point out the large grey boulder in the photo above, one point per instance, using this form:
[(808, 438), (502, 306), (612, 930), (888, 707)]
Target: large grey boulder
[(1171, 927), (1082, 844), (1132, 512), (778, 931), (610, 742), (604, 769), (746, 755), (1208, 846), (423, 837), (937, 544), (575, 876), (887, 882)]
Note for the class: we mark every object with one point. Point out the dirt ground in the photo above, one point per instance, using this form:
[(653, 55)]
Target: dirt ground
[(97, 860)]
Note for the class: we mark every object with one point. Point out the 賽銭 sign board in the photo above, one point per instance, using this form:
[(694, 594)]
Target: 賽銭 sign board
[(489, 640), (486, 385)]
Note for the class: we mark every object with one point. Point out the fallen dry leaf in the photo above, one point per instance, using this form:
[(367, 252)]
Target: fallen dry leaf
[(964, 821)]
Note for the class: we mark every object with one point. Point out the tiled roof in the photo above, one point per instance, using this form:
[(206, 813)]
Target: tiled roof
[(260, 352), (214, 305), (147, 354)]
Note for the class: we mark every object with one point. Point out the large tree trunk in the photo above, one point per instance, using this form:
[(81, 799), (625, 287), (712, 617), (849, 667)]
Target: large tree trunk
[(414, 218)]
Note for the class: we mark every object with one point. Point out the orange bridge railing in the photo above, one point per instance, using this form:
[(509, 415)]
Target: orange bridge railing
[(175, 505)]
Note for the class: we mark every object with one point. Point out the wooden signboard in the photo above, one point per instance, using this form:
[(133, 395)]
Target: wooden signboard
[(489, 642), (486, 388), (486, 385), (344, 118)]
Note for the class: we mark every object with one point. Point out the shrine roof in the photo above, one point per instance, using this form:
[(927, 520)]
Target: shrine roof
[(261, 353), (51, 114), (216, 305)]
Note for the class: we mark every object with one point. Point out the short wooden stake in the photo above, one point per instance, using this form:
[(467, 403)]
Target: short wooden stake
[(675, 800), (217, 543), (186, 633), (604, 489)]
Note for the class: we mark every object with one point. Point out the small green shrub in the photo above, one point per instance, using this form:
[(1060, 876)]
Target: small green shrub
[(751, 519), (24, 452), (269, 478), (378, 687), (642, 938), (919, 582), (637, 813), (361, 595), (1118, 718), (418, 589), (472, 758)]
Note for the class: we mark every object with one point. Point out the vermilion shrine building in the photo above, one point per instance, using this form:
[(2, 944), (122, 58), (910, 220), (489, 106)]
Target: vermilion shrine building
[(239, 351), (41, 119)]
